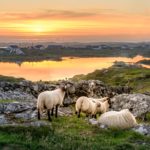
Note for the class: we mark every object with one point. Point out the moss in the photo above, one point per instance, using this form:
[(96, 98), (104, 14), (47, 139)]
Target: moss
[(7, 101)]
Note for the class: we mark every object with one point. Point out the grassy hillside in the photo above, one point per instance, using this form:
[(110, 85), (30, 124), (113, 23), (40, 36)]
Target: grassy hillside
[(10, 79), (71, 133), (138, 78)]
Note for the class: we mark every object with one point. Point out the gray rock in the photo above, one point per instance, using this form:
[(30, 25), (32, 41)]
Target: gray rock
[(39, 123), (102, 126), (138, 104), (3, 119), (29, 115), (142, 129), (8, 108), (93, 121), (16, 95)]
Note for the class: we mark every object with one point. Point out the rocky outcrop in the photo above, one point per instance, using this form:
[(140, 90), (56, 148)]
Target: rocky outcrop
[(28, 91), (138, 104), (24, 93), (25, 114)]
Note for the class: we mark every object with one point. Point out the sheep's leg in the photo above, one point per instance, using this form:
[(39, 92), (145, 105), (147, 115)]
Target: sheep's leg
[(94, 116), (144, 117), (56, 111), (52, 113), (87, 115), (39, 115), (49, 115), (79, 113)]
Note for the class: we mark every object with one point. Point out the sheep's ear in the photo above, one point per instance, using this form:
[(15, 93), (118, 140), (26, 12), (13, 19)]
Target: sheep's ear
[(106, 99)]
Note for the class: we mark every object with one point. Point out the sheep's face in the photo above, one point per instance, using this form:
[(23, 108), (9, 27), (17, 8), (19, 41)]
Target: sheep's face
[(107, 105)]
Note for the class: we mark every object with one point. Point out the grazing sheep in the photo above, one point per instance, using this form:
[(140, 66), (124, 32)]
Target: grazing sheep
[(118, 119), (50, 99), (87, 105)]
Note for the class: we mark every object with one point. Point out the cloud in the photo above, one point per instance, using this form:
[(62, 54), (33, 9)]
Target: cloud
[(47, 14)]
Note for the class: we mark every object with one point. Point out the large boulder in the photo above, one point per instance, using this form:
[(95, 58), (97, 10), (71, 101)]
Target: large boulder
[(25, 113), (138, 104)]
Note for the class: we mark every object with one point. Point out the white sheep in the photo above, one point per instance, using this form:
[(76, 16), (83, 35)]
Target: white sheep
[(104, 104), (50, 99), (87, 105), (118, 119)]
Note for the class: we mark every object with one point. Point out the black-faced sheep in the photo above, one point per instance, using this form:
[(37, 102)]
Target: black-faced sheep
[(50, 99)]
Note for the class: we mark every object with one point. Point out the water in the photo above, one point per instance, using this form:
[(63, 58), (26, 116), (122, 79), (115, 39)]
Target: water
[(54, 70)]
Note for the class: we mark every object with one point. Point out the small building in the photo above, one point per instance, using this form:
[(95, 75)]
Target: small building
[(39, 47)]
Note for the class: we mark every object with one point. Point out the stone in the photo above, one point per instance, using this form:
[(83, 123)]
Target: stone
[(138, 104), (93, 121), (3, 120), (142, 129)]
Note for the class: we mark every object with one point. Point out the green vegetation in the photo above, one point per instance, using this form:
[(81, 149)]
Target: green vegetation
[(145, 61), (67, 133), (7, 101), (138, 78), (10, 79)]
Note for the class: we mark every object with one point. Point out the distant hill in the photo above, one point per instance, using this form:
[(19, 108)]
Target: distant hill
[(131, 75)]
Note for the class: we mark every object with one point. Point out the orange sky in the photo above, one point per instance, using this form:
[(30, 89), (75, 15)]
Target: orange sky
[(89, 20)]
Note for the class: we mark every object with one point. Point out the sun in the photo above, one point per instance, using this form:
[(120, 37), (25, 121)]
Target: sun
[(38, 28)]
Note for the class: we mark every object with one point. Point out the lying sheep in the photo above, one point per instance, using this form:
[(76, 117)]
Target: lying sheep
[(50, 99), (88, 106), (118, 119)]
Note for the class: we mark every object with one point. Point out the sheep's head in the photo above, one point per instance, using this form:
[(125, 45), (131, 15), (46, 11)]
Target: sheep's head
[(98, 105), (107, 100)]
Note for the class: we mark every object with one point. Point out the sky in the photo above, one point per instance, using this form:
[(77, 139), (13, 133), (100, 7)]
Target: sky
[(74, 20)]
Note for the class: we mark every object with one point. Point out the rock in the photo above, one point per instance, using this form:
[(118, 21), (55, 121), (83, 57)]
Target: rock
[(39, 123), (93, 121), (102, 126), (25, 114), (16, 95), (142, 129), (9, 108), (3, 119), (29, 115), (138, 104), (28, 91)]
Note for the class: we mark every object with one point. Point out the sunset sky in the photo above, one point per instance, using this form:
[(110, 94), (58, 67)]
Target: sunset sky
[(74, 20)]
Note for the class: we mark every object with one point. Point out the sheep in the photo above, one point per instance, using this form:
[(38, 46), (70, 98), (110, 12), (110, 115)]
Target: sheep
[(105, 104), (50, 99), (87, 105), (118, 119), (92, 86)]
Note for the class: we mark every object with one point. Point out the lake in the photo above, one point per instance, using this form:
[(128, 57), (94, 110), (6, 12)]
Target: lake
[(54, 70)]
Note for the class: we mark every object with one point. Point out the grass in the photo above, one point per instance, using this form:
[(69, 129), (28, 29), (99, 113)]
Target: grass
[(138, 78), (10, 79), (7, 101), (67, 133)]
